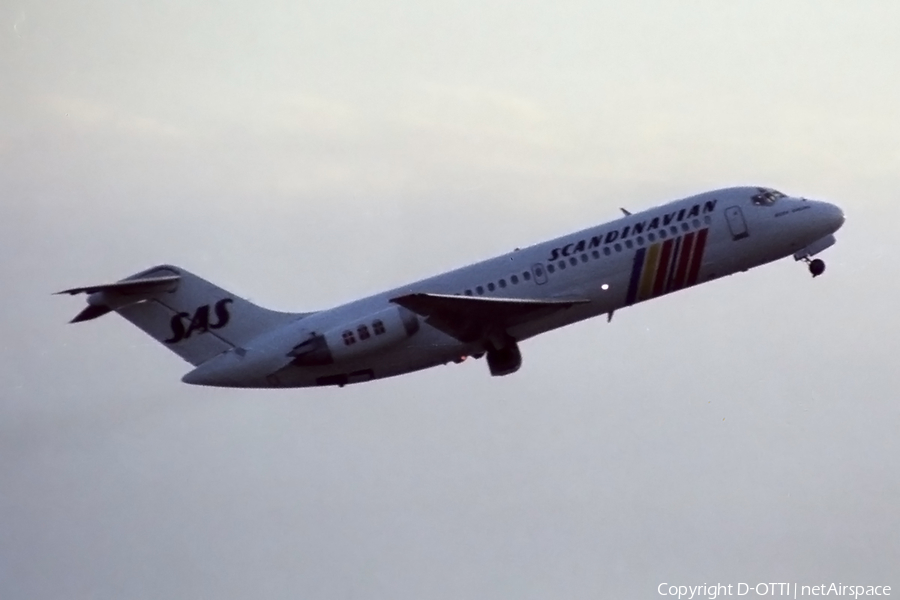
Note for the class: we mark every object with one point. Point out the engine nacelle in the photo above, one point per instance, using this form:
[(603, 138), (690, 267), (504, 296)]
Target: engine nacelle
[(363, 336), (504, 361)]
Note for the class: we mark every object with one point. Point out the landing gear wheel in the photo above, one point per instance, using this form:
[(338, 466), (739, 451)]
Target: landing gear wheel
[(817, 267)]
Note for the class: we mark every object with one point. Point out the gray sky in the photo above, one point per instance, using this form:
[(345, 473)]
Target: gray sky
[(304, 154)]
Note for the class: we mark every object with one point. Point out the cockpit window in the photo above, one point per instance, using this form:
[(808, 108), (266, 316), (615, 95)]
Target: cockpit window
[(766, 197)]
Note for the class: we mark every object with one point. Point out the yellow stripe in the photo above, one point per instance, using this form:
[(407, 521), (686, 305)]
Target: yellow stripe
[(650, 264)]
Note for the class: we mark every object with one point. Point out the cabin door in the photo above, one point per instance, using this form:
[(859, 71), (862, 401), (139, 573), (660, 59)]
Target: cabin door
[(736, 223)]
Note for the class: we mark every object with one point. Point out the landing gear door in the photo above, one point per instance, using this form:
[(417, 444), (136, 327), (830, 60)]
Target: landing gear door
[(736, 223)]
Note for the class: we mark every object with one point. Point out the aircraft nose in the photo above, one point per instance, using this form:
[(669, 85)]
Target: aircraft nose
[(833, 216)]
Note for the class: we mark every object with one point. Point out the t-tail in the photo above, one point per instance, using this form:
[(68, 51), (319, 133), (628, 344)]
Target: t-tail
[(189, 315)]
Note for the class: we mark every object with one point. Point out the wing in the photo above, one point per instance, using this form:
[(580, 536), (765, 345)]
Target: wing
[(470, 319)]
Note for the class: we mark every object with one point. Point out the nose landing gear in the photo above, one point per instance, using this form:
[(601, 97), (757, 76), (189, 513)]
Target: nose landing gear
[(816, 266)]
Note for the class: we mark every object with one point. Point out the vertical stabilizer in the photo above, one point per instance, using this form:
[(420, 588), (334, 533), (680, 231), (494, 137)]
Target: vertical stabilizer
[(192, 317)]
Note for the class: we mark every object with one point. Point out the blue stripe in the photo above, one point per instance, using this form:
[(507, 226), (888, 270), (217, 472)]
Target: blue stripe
[(636, 268)]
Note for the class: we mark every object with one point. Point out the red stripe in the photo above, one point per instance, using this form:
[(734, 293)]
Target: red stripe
[(663, 269), (683, 260), (673, 263), (697, 258)]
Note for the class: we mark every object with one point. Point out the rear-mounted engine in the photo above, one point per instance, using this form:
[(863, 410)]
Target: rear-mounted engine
[(362, 337)]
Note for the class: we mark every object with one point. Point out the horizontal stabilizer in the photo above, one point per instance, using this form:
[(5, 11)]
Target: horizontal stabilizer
[(91, 312), (128, 287), (108, 297)]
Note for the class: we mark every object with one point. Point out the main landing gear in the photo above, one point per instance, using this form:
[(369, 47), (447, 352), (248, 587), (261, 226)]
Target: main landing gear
[(816, 266), (503, 355)]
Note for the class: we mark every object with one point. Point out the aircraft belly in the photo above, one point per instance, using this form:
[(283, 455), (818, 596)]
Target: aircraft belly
[(427, 349), (762, 247)]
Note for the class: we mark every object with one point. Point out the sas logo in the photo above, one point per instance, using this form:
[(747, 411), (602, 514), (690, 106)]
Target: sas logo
[(184, 325)]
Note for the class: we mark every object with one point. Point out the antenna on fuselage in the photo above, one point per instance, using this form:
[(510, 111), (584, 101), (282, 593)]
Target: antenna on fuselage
[(625, 212)]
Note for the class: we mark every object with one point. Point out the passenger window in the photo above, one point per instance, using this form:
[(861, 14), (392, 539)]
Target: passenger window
[(662, 234), (673, 230), (502, 283), (584, 258), (606, 250), (651, 237), (684, 227), (707, 219), (363, 332), (595, 254), (640, 240), (349, 339), (629, 244), (526, 275), (696, 223), (491, 286), (468, 292), (562, 265), (514, 280), (573, 261), (618, 247), (550, 268), (378, 327), (480, 290)]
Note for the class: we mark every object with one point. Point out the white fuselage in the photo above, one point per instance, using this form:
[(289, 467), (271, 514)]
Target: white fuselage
[(635, 258)]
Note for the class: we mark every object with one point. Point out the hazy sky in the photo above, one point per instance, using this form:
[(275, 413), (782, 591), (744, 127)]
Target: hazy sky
[(306, 153)]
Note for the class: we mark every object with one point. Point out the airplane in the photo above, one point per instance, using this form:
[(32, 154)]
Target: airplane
[(484, 309)]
